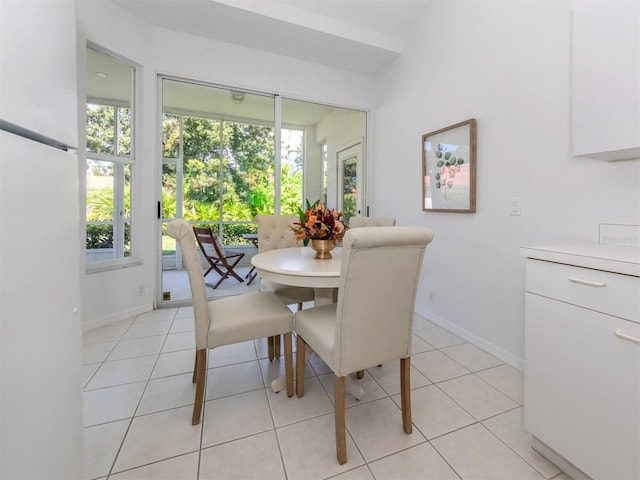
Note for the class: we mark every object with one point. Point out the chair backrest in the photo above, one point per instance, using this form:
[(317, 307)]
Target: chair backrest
[(274, 232), (379, 276), (183, 233), (209, 243), (357, 222)]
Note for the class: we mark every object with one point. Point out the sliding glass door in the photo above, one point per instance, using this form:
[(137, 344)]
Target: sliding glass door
[(229, 155)]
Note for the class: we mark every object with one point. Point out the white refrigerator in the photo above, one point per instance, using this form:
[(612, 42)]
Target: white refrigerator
[(41, 434)]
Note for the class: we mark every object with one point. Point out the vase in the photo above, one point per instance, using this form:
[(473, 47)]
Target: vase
[(323, 248)]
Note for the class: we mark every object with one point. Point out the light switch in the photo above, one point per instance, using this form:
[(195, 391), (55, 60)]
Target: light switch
[(515, 207)]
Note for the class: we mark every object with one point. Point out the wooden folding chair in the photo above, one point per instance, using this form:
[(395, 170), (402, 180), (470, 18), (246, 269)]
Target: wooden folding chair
[(221, 260)]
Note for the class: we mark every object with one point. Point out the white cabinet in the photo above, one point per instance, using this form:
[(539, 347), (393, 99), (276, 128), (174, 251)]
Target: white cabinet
[(38, 65), (605, 84), (41, 428), (582, 378)]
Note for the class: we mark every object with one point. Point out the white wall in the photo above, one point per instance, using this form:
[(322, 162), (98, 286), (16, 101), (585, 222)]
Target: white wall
[(507, 64), (111, 295), (504, 63), (230, 65), (340, 129)]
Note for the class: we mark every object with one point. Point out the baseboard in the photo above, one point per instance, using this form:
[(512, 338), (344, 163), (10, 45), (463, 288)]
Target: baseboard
[(558, 460), (116, 317), (496, 351)]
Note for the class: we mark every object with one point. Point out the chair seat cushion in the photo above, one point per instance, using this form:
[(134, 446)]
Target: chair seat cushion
[(288, 294), (317, 327), (249, 316)]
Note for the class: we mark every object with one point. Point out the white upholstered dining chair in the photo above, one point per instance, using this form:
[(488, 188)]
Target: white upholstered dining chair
[(357, 222), (231, 319), (373, 319), (274, 232)]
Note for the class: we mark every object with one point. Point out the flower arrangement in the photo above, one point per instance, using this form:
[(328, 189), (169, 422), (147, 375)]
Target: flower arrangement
[(317, 222)]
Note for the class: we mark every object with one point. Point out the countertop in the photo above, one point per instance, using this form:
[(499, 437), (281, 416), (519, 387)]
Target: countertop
[(611, 258)]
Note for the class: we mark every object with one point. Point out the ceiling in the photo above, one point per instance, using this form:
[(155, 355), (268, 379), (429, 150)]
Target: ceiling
[(356, 35), (109, 79)]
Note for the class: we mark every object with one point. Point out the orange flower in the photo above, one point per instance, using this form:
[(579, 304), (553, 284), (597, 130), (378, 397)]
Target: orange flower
[(319, 222)]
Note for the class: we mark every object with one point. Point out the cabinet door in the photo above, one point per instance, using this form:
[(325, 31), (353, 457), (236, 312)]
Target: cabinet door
[(40, 335), (38, 65), (582, 387), (605, 70)]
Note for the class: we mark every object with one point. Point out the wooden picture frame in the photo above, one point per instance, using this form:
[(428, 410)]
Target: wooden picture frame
[(449, 169)]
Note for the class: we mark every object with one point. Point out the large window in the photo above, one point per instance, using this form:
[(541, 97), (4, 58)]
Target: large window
[(229, 155), (110, 157), (219, 160)]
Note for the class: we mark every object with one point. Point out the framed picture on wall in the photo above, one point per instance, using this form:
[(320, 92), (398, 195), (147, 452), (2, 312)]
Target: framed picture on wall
[(449, 169)]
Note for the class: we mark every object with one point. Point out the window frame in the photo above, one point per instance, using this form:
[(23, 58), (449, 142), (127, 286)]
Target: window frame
[(120, 162)]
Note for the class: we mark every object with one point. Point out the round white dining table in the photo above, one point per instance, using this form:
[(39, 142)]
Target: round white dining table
[(297, 267)]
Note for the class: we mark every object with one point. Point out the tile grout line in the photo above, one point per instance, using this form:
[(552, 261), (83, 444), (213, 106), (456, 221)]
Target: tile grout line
[(115, 459), (324, 389)]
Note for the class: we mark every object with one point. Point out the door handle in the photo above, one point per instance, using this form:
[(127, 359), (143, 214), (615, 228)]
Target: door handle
[(587, 282), (621, 334)]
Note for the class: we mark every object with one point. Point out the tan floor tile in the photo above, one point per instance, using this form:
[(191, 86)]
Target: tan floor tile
[(471, 357), (421, 462), (509, 428), (108, 333), (179, 341), (434, 413), (287, 410), (101, 444), (230, 354), (418, 345), (256, 457), (475, 453), (438, 337), (376, 427), (137, 347), (309, 449), (148, 328), (96, 352), (233, 379), (420, 323), (120, 372), (437, 367), (477, 397), (182, 467), (183, 324), (230, 418), (359, 473), (388, 377), (111, 403), (358, 391), (248, 431), (166, 393), (174, 363), (507, 379), (158, 436)]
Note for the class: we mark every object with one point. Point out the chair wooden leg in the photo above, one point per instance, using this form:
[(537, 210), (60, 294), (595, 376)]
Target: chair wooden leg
[(300, 363), (288, 363), (201, 372), (341, 439), (270, 342), (405, 393), (276, 346), (195, 369)]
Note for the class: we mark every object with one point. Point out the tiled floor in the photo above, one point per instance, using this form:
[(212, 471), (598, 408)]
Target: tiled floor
[(138, 397), (176, 282)]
